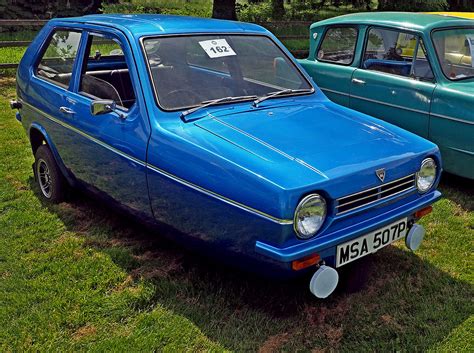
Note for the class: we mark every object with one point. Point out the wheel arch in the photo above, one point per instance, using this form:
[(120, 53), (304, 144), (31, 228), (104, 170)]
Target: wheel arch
[(38, 137)]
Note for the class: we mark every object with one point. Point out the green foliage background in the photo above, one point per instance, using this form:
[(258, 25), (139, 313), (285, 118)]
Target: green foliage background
[(25, 9), (247, 10), (413, 5)]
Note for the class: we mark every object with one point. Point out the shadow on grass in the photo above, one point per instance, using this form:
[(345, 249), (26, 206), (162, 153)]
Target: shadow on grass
[(387, 301), (459, 190)]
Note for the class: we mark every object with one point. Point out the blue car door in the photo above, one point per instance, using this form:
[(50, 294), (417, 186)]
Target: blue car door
[(47, 92), (108, 151)]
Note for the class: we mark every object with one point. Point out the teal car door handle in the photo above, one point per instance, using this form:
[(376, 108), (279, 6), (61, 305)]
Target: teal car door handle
[(358, 82), (66, 110)]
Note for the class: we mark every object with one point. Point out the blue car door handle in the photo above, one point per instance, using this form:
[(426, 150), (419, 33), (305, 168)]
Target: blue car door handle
[(66, 110)]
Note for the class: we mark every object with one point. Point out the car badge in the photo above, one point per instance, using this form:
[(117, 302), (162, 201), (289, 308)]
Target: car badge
[(380, 174)]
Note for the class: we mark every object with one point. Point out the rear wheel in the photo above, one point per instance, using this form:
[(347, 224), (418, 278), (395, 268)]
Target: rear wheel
[(51, 182)]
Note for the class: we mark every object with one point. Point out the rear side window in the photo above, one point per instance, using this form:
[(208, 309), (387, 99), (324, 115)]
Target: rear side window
[(58, 59), (338, 45)]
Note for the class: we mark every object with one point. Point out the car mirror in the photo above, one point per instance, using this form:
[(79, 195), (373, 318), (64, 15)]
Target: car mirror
[(104, 106), (282, 71), (279, 66)]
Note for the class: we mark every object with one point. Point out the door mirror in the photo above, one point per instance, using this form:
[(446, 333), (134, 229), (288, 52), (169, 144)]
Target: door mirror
[(102, 106), (283, 73)]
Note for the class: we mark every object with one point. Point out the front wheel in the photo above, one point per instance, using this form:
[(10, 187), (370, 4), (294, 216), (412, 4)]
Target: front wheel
[(48, 176)]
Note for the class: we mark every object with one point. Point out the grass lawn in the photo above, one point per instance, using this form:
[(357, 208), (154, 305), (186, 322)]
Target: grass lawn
[(78, 276)]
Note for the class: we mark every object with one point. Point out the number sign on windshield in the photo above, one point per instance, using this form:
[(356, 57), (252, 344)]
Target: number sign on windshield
[(216, 48)]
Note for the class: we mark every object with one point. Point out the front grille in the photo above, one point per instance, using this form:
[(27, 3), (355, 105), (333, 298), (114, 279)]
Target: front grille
[(367, 197)]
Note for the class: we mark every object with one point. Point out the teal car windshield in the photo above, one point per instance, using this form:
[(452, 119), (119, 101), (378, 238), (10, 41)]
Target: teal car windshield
[(455, 48), (190, 70)]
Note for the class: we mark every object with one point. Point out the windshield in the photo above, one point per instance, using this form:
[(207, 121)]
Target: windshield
[(189, 70), (455, 48)]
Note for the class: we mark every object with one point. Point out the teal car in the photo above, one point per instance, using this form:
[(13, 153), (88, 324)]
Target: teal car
[(413, 70)]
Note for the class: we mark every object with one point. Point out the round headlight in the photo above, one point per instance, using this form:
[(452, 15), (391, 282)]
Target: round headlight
[(309, 216), (426, 177)]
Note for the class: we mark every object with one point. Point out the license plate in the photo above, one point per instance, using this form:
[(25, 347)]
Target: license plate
[(369, 243)]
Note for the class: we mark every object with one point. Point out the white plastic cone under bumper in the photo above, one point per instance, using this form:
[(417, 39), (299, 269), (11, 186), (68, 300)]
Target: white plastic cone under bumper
[(415, 237), (324, 282)]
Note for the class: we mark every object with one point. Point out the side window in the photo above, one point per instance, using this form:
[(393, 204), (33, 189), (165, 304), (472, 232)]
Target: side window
[(389, 51), (105, 73), (58, 60), (338, 45)]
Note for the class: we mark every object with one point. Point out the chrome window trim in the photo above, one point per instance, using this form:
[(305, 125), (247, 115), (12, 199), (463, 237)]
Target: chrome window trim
[(161, 171)]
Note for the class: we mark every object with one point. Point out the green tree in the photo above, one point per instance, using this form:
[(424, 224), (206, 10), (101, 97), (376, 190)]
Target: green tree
[(461, 5), (413, 5), (24, 9), (278, 9), (224, 9)]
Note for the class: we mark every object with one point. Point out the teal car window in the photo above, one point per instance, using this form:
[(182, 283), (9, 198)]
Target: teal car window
[(455, 48), (422, 69), (189, 70), (389, 51), (392, 51), (338, 45), (58, 59), (105, 73)]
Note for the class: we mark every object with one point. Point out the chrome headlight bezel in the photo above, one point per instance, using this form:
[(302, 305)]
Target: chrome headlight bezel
[(428, 166), (302, 205)]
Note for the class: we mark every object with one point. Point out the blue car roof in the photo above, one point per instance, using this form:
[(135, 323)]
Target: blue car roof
[(147, 24)]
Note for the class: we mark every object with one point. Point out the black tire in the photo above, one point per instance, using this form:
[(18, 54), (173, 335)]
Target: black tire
[(51, 183)]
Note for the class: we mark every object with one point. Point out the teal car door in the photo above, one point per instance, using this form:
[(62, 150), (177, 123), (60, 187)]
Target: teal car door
[(331, 67), (395, 81), (452, 114)]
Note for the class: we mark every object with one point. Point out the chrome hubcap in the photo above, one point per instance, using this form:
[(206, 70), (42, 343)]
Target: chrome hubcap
[(44, 178)]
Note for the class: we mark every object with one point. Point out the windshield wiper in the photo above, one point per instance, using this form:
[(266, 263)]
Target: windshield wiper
[(277, 93), (212, 102)]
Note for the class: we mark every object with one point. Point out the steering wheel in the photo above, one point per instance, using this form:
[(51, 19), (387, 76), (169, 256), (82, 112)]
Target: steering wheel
[(184, 96)]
